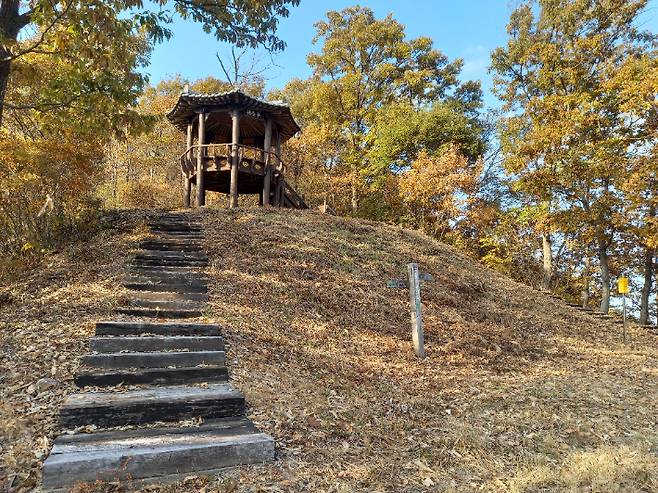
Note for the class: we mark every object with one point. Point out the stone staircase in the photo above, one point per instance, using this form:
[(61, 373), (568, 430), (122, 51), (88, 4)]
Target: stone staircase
[(154, 401)]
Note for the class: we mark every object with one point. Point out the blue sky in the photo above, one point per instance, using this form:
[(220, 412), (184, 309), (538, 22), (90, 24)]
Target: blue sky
[(468, 29)]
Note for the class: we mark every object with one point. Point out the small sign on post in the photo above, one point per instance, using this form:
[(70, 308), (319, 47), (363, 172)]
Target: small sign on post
[(413, 283), (622, 287)]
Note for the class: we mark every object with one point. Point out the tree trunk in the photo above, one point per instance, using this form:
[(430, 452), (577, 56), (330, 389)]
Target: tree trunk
[(5, 69), (355, 198), (547, 254), (657, 307), (11, 24), (586, 278), (646, 287), (605, 276), (649, 255)]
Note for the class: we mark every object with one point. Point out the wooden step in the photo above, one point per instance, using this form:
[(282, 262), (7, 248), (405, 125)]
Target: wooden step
[(182, 221), (167, 287), (165, 233), (183, 297), (176, 226), (165, 254), (178, 237), (152, 376), (157, 276), (165, 270), (171, 246), (163, 454), (136, 407), (175, 222), (168, 268), (168, 263), (121, 328), (160, 277), (159, 313), (155, 343), (165, 304), (155, 359)]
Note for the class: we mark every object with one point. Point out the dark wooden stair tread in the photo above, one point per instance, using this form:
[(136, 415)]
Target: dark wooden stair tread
[(154, 453), (165, 304), (118, 328), (160, 313), (170, 254), (167, 287), (152, 376), (162, 276), (154, 359), (173, 296), (170, 262), (151, 404), (172, 246), (166, 269), (155, 343)]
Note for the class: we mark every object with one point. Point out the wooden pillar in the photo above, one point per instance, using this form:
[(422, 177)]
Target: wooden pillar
[(200, 189), (280, 185), (187, 183), (277, 145), (267, 147), (235, 140)]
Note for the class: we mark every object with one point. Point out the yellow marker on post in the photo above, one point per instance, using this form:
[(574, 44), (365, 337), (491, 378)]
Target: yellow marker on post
[(622, 287)]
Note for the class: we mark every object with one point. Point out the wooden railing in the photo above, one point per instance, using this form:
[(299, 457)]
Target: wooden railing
[(250, 159), (296, 200)]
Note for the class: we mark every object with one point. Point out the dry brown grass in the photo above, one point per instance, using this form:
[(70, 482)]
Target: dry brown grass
[(518, 394)]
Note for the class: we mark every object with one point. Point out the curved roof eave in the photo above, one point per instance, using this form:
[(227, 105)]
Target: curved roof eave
[(189, 103)]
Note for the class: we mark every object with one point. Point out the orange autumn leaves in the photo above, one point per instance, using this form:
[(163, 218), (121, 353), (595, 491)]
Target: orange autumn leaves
[(437, 187)]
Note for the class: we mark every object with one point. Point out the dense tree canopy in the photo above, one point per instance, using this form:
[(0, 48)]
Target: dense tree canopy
[(95, 38), (578, 79), (382, 99)]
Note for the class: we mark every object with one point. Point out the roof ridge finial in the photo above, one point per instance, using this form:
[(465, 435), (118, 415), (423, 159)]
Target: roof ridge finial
[(186, 89)]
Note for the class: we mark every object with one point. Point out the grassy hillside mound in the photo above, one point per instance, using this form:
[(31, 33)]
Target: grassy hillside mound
[(46, 318), (518, 392)]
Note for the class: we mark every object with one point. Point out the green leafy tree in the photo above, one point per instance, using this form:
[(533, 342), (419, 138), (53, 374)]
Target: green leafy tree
[(364, 65)]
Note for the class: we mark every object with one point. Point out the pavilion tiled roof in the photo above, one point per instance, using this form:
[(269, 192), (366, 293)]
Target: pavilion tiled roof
[(189, 104)]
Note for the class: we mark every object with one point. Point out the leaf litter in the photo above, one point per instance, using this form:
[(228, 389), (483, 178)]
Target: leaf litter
[(519, 393)]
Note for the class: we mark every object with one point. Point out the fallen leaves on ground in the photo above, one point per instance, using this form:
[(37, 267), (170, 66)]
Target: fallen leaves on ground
[(519, 393), (44, 330)]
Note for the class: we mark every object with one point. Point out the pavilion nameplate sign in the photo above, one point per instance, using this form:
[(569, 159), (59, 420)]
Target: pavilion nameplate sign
[(254, 114), (413, 284)]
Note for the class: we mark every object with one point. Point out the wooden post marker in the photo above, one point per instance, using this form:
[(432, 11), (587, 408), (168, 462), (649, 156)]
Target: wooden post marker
[(415, 277)]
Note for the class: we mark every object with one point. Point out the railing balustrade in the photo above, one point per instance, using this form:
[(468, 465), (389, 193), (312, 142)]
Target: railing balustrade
[(254, 157)]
